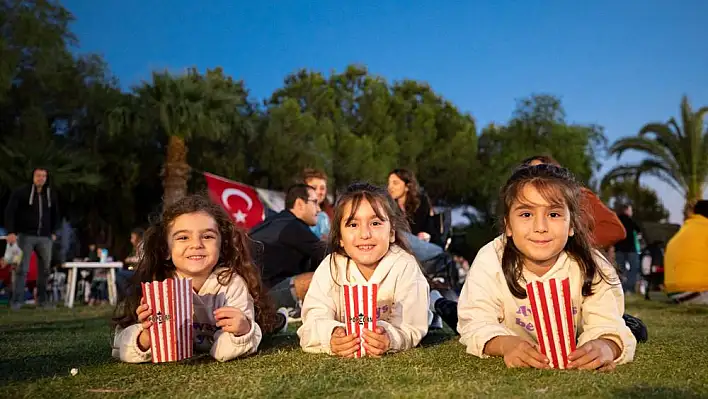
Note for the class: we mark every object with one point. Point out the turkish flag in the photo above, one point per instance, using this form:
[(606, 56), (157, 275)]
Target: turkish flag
[(240, 201)]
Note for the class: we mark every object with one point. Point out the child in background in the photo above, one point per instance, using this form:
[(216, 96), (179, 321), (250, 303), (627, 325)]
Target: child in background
[(544, 238), (366, 239), (58, 285), (99, 283), (196, 239)]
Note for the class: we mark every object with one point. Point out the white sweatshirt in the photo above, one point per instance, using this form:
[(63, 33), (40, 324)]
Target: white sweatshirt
[(222, 346), (403, 297), (487, 308)]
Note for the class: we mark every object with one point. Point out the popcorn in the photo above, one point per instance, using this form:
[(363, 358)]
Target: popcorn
[(553, 317), (360, 308), (171, 332)]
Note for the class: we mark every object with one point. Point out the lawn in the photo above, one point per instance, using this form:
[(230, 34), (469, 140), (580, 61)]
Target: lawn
[(40, 347)]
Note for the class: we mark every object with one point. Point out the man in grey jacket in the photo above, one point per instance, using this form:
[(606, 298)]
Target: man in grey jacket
[(31, 218)]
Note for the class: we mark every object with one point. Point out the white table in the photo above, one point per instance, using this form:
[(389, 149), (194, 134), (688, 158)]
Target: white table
[(73, 276)]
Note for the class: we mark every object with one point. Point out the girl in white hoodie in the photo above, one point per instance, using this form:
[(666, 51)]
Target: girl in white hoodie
[(544, 238), (367, 247), (195, 239)]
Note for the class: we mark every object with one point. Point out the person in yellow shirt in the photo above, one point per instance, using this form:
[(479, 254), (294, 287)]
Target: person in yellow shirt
[(686, 259)]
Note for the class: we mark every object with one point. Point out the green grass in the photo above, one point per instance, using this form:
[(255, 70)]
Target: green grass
[(38, 348)]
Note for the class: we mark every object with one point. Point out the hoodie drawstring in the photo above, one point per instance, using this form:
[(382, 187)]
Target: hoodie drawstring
[(49, 196)]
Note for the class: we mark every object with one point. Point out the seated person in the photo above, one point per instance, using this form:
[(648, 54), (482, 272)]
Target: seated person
[(686, 258), (403, 187), (130, 263), (318, 180), (291, 251)]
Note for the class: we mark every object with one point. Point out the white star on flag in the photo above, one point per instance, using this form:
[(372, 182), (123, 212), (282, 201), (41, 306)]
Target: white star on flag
[(240, 217)]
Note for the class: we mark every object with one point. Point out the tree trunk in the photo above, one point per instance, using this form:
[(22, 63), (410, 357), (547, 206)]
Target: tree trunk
[(176, 171)]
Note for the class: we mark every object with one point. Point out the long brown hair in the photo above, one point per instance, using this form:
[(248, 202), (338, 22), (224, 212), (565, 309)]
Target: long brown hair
[(557, 185), (413, 196), (234, 256), (383, 206)]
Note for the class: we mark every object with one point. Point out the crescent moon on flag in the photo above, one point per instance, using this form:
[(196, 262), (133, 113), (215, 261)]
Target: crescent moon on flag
[(230, 192)]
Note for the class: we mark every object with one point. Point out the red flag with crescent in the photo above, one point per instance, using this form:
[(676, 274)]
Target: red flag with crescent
[(240, 201)]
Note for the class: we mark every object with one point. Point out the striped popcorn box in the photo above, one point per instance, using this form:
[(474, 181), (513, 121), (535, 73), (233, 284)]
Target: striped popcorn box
[(171, 331), (360, 308), (553, 317)]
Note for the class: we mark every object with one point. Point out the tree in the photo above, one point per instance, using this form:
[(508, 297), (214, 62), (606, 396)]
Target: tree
[(356, 126), (182, 108), (436, 140), (33, 39), (677, 154), (538, 127), (339, 124), (645, 202)]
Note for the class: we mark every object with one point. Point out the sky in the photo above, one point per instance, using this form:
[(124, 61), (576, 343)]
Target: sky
[(619, 64)]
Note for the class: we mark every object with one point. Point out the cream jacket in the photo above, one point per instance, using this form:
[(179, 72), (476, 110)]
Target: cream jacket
[(487, 308), (222, 346), (403, 297)]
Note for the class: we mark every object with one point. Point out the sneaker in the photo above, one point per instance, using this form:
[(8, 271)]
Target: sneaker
[(434, 320), (293, 314), (434, 296), (282, 324), (15, 306), (436, 324), (637, 327)]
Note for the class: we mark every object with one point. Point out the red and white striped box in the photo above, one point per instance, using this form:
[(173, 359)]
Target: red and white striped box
[(171, 332), (553, 317), (360, 308)]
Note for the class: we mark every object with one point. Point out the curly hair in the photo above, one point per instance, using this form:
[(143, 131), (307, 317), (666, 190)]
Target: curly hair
[(234, 257)]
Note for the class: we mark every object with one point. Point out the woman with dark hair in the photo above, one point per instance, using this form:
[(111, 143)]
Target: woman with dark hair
[(404, 189)]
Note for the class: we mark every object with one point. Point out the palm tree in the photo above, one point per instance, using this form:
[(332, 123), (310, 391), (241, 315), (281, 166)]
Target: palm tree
[(182, 108), (677, 154), (73, 170)]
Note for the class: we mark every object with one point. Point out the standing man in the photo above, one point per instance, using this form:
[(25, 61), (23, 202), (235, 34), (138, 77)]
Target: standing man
[(31, 219), (627, 250)]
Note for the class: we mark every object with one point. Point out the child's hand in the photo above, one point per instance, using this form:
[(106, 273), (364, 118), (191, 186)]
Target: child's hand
[(376, 343), (232, 320), (596, 354), (520, 353), (143, 312), (342, 344)]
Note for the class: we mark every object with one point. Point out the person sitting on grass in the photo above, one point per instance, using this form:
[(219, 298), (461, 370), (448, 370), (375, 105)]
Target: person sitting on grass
[(366, 239), (544, 238), (196, 239), (686, 261), (291, 251)]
